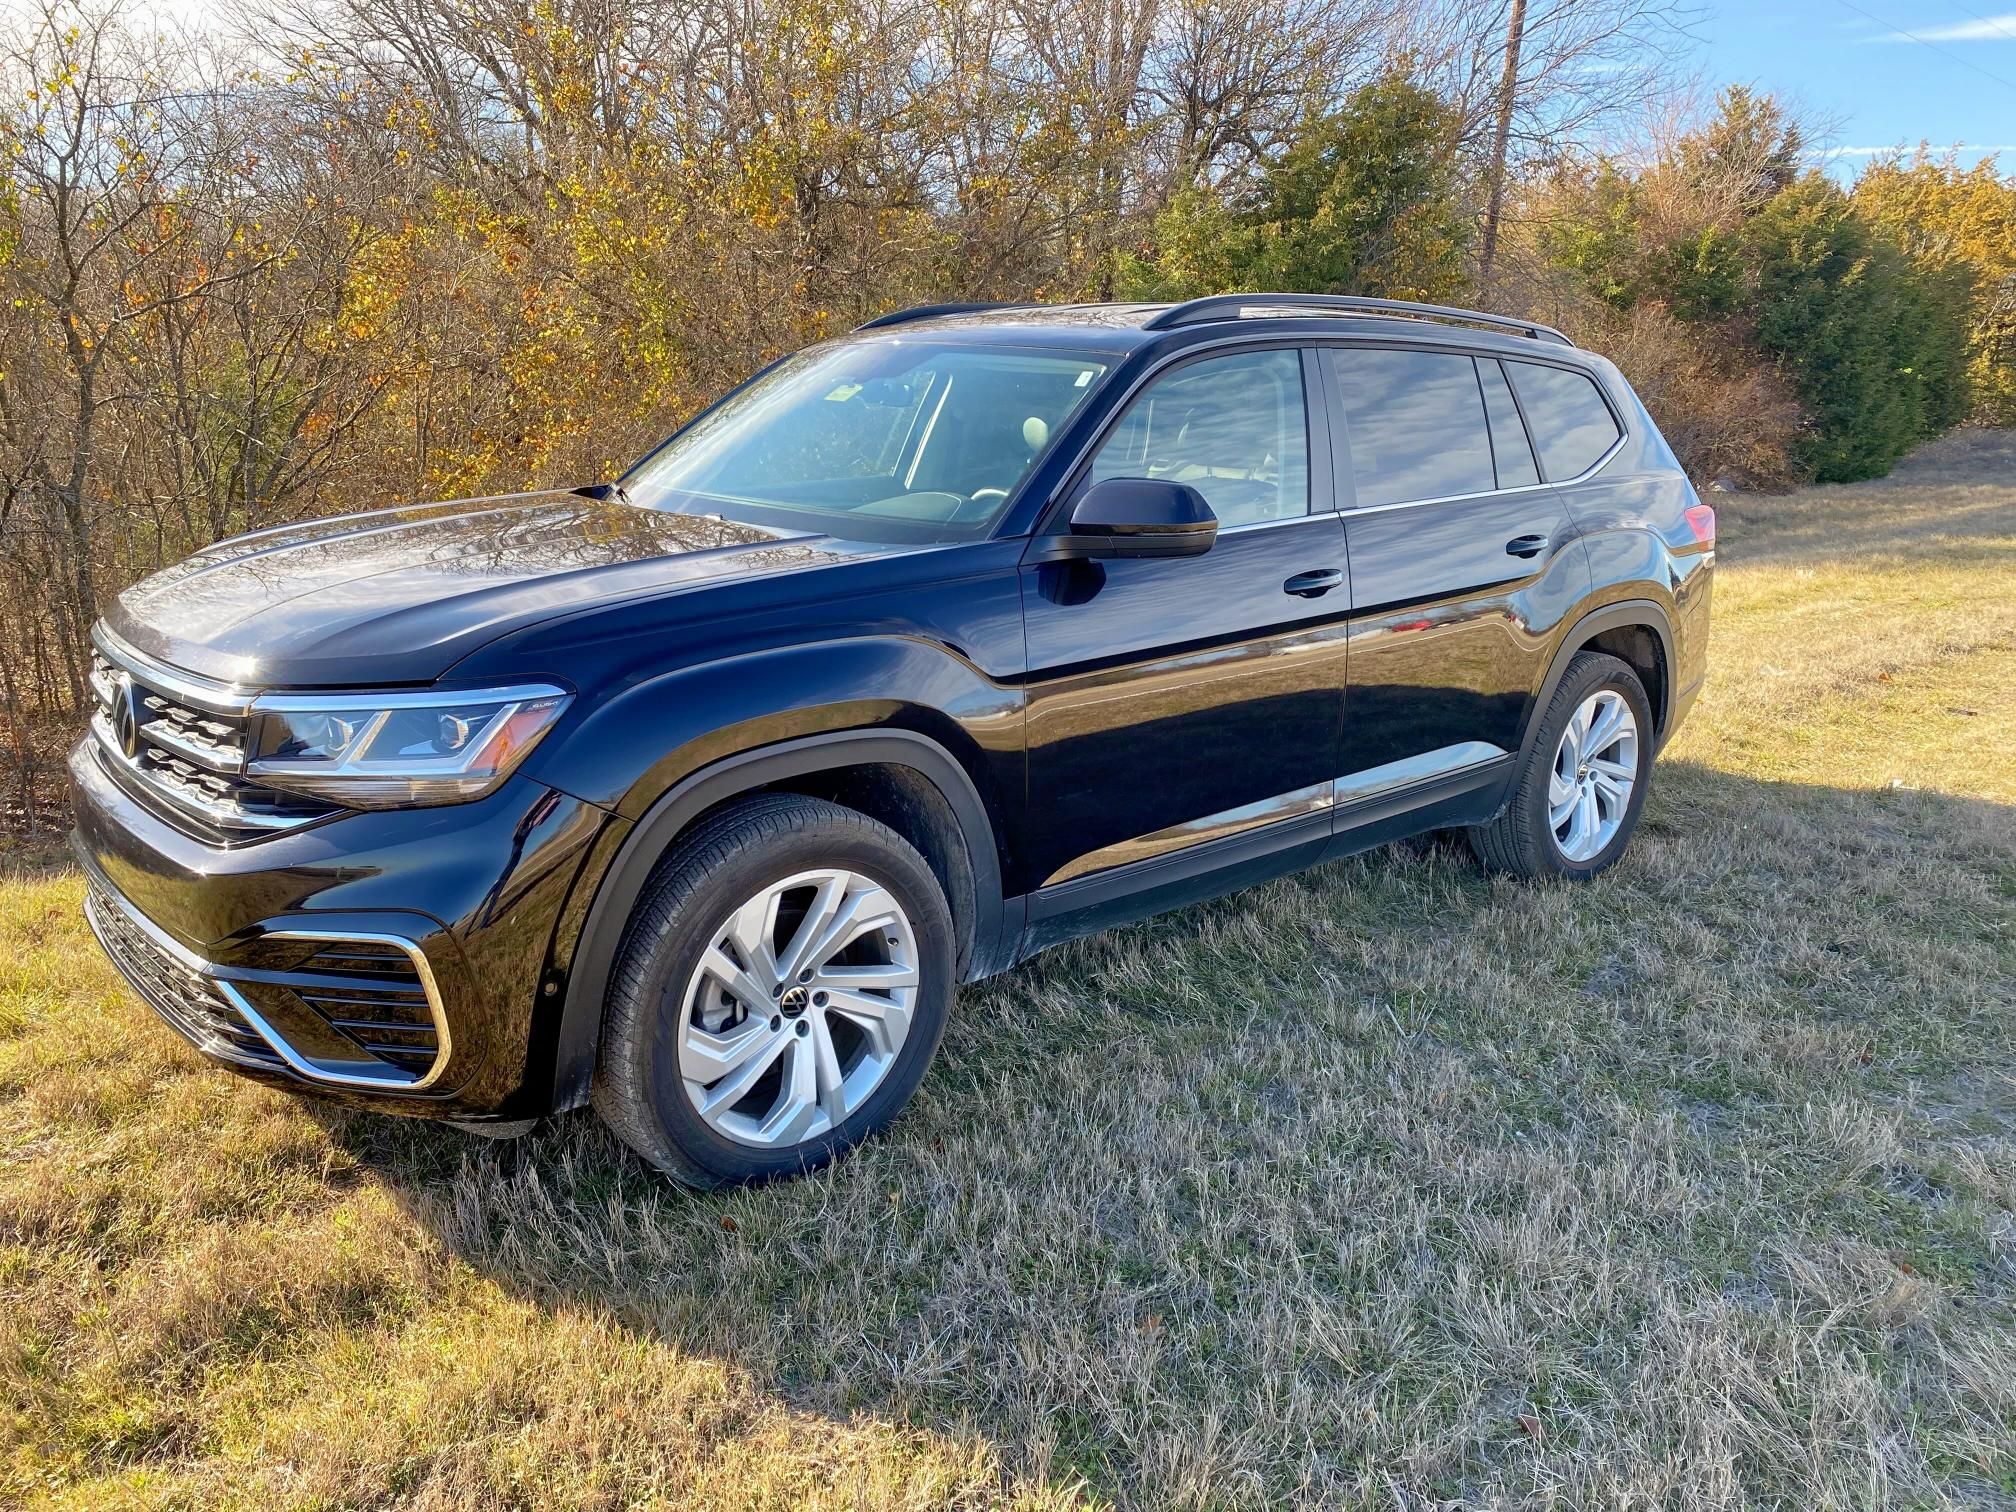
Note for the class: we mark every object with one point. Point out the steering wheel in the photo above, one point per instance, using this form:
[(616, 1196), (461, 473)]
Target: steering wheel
[(980, 493)]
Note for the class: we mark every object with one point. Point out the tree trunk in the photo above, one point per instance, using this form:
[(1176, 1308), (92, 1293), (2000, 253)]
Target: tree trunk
[(1508, 88)]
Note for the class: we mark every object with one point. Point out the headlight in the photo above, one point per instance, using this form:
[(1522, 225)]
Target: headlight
[(390, 750)]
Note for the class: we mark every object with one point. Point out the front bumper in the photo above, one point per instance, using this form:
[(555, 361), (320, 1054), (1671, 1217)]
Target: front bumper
[(395, 960)]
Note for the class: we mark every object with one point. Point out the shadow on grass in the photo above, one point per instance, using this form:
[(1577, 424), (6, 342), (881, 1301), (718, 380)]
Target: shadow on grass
[(1211, 1196)]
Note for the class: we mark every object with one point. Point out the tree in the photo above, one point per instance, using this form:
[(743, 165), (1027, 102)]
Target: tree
[(1963, 222), (1723, 257), (1501, 139), (107, 143), (1875, 351), (1366, 200)]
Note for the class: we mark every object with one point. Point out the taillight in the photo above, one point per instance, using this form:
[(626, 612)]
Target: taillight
[(1701, 520)]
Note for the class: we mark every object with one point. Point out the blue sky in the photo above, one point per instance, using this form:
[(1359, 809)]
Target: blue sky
[(1882, 73), (1855, 64)]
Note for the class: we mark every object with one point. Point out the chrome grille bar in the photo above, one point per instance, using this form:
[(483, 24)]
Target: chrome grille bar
[(187, 746)]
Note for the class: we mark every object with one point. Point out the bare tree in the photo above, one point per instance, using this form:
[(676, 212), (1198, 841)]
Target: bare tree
[(1501, 135), (103, 144)]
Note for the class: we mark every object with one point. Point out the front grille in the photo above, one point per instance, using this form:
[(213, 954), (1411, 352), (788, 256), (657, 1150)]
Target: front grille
[(173, 987), (215, 740), (188, 751)]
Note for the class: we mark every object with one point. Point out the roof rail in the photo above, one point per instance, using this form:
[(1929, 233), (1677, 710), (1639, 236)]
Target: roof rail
[(925, 312), (1233, 306)]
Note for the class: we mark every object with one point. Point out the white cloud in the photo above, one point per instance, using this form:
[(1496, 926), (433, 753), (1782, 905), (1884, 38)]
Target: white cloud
[(1959, 147), (1979, 29)]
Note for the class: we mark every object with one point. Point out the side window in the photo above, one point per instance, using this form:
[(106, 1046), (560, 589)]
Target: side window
[(1416, 423), (1234, 428), (1572, 425), (1509, 447)]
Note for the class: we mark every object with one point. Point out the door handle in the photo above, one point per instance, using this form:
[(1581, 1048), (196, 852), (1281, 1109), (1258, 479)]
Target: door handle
[(1314, 584), (1526, 545)]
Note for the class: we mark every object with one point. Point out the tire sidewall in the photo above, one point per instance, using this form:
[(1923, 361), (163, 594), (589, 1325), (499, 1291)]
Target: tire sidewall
[(1588, 677), (675, 954)]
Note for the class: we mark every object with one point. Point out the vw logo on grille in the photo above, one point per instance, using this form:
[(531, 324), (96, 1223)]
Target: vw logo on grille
[(127, 715)]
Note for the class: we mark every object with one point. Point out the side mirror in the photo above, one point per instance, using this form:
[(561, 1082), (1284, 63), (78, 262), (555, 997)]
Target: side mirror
[(1136, 517)]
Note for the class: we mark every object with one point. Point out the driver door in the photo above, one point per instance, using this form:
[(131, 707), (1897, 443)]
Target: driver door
[(1184, 715)]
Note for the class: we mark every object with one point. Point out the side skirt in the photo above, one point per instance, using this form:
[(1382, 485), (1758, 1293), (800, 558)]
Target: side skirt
[(1367, 814)]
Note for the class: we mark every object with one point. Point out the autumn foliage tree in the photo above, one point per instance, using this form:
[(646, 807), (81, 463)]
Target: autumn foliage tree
[(344, 253), (1960, 223), (1745, 252)]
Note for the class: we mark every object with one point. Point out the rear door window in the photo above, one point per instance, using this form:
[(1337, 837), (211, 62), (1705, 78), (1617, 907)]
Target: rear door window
[(1416, 424), (1509, 447), (1571, 425)]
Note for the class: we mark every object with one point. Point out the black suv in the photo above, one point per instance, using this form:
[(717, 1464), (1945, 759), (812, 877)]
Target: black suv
[(696, 794)]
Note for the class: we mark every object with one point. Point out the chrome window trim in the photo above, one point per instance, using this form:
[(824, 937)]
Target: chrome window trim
[(1074, 475), (1081, 466), (1609, 401), (1492, 493), (1301, 519), (1540, 359), (393, 1080)]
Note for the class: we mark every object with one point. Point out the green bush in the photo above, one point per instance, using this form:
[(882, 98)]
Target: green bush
[(1876, 347), (1366, 200), (1724, 235)]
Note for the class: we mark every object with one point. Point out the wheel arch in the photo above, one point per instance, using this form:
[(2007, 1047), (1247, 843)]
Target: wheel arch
[(951, 822), (1638, 632)]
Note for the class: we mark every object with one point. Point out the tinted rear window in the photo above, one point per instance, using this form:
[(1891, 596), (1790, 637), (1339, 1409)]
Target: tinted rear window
[(1509, 446), (1571, 424), (1416, 422)]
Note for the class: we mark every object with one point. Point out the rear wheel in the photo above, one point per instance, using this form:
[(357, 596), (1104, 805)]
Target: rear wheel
[(781, 990), (1582, 785)]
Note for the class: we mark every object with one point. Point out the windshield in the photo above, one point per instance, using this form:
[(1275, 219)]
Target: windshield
[(902, 441)]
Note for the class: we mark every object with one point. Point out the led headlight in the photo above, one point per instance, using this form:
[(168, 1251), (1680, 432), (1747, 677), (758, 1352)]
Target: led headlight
[(392, 750)]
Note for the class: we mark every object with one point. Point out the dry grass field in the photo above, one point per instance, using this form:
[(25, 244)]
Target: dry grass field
[(1387, 1186)]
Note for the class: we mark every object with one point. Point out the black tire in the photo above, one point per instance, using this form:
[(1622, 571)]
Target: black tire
[(728, 857), (1520, 841)]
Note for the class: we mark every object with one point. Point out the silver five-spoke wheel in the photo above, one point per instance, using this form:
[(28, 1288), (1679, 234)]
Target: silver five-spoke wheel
[(1595, 769), (798, 1008)]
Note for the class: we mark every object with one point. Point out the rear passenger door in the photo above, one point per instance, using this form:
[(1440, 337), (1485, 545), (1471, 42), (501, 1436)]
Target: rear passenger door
[(1462, 562)]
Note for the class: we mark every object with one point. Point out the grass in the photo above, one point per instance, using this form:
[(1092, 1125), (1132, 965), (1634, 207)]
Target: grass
[(1388, 1185)]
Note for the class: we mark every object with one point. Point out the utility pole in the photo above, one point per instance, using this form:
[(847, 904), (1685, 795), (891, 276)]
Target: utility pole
[(1508, 87)]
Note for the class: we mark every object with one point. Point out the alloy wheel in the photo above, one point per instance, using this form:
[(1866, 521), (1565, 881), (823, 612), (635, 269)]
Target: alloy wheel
[(1595, 769), (798, 1008)]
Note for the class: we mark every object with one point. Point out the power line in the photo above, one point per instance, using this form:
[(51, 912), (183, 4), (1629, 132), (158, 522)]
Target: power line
[(1922, 42), (1985, 20)]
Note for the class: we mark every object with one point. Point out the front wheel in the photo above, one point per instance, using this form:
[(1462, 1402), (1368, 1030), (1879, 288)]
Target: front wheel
[(1582, 784), (782, 988)]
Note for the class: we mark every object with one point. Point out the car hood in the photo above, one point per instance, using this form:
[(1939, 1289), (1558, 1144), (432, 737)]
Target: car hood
[(401, 595)]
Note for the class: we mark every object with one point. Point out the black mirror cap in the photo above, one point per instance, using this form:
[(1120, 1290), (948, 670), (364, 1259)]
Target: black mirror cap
[(1137, 517)]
